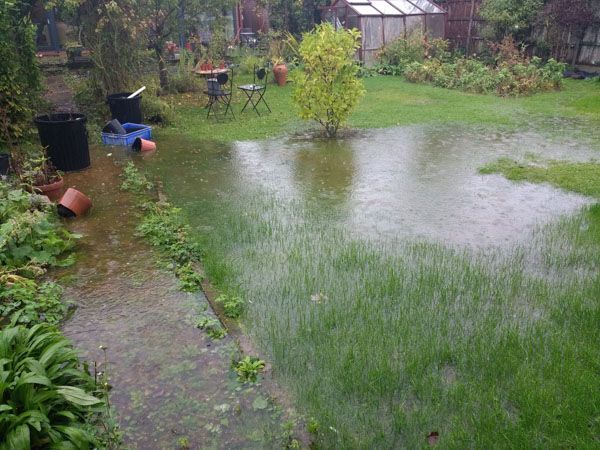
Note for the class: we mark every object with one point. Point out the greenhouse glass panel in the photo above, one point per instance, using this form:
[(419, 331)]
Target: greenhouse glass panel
[(384, 7), (406, 7), (393, 29), (414, 24), (365, 10), (435, 26), (427, 6)]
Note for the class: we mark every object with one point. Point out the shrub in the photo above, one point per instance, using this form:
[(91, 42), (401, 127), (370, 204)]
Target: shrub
[(507, 79), (327, 87), (46, 400), (184, 80), (157, 110), (19, 74), (414, 48)]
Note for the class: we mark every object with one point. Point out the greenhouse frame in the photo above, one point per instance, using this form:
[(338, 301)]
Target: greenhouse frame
[(382, 21)]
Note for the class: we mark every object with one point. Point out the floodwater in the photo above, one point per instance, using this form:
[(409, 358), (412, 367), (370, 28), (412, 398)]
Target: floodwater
[(418, 183), (172, 385)]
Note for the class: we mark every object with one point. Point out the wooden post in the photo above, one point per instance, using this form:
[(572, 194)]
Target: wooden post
[(468, 46)]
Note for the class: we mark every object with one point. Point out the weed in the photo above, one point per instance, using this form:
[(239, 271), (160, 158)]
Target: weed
[(248, 369), (211, 325), (189, 279), (133, 180), (233, 306)]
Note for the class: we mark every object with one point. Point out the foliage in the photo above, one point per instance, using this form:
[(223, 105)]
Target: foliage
[(248, 369), (212, 326), (509, 17), (116, 36), (293, 15), (20, 84), (562, 18), (133, 180), (508, 78), (189, 279), (30, 242), (46, 398), (34, 169), (156, 110), (327, 87), (233, 305), (184, 80), (415, 47)]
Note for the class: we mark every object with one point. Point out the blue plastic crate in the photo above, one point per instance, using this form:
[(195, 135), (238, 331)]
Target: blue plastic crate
[(134, 130)]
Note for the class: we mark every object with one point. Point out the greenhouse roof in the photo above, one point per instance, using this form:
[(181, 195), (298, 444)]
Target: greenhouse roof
[(391, 7)]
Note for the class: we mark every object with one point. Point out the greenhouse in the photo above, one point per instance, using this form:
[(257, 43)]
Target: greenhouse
[(382, 21)]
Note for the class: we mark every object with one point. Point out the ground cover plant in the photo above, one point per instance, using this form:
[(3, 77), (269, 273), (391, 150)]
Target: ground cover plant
[(31, 241)]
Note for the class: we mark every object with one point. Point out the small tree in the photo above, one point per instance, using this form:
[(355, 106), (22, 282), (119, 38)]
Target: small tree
[(327, 88), (509, 17)]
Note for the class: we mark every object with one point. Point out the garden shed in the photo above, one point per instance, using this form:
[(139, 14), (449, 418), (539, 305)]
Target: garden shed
[(382, 21)]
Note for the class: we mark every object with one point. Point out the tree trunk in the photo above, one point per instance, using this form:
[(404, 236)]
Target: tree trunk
[(163, 74)]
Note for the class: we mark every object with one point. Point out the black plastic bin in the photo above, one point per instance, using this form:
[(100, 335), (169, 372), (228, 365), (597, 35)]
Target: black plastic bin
[(66, 139), (4, 163), (125, 109)]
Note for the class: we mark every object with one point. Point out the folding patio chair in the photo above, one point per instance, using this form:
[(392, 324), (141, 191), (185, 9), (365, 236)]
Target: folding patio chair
[(219, 90), (256, 92)]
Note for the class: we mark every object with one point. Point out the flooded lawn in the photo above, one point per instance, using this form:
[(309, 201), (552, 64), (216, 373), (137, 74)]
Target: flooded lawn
[(172, 384), (398, 291)]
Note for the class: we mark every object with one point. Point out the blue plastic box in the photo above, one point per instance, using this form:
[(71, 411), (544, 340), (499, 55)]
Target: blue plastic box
[(134, 130)]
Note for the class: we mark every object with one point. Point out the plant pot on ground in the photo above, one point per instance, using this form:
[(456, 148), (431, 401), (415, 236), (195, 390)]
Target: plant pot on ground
[(37, 174), (280, 72)]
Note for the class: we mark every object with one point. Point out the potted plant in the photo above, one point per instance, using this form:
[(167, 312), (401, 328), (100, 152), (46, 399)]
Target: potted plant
[(276, 55), (38, 174)]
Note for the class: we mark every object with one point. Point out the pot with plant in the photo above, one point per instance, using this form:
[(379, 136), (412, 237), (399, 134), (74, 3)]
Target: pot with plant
[(39, 175), (276, 55)]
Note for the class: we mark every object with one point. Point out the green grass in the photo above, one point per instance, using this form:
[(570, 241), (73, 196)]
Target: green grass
[(583, 178), (384, 343), (392, 101), (412, 338)]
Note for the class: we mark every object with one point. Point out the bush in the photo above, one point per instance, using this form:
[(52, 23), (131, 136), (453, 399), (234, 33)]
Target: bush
[(394, 57), (506, 79), (327, 87), (184, 80), (157, 110), (20, 84), (46, 400)]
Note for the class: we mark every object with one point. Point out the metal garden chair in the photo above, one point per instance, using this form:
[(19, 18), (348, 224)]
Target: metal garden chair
[(256, 91), (219, 90)]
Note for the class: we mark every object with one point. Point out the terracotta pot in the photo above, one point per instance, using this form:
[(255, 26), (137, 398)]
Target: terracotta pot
[(73, 202), (52, 190), (280, 72), (143, 145)]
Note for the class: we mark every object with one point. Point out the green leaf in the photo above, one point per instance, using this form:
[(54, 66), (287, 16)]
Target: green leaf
[(77, 396), (19, 438), (259, 403)]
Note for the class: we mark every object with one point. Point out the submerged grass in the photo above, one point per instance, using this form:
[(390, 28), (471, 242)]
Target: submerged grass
[(383, 345)]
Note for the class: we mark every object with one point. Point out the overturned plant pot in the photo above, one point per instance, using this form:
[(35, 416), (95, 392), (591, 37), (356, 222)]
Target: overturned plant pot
[(73, 203), (143, 145), (51, 190)]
